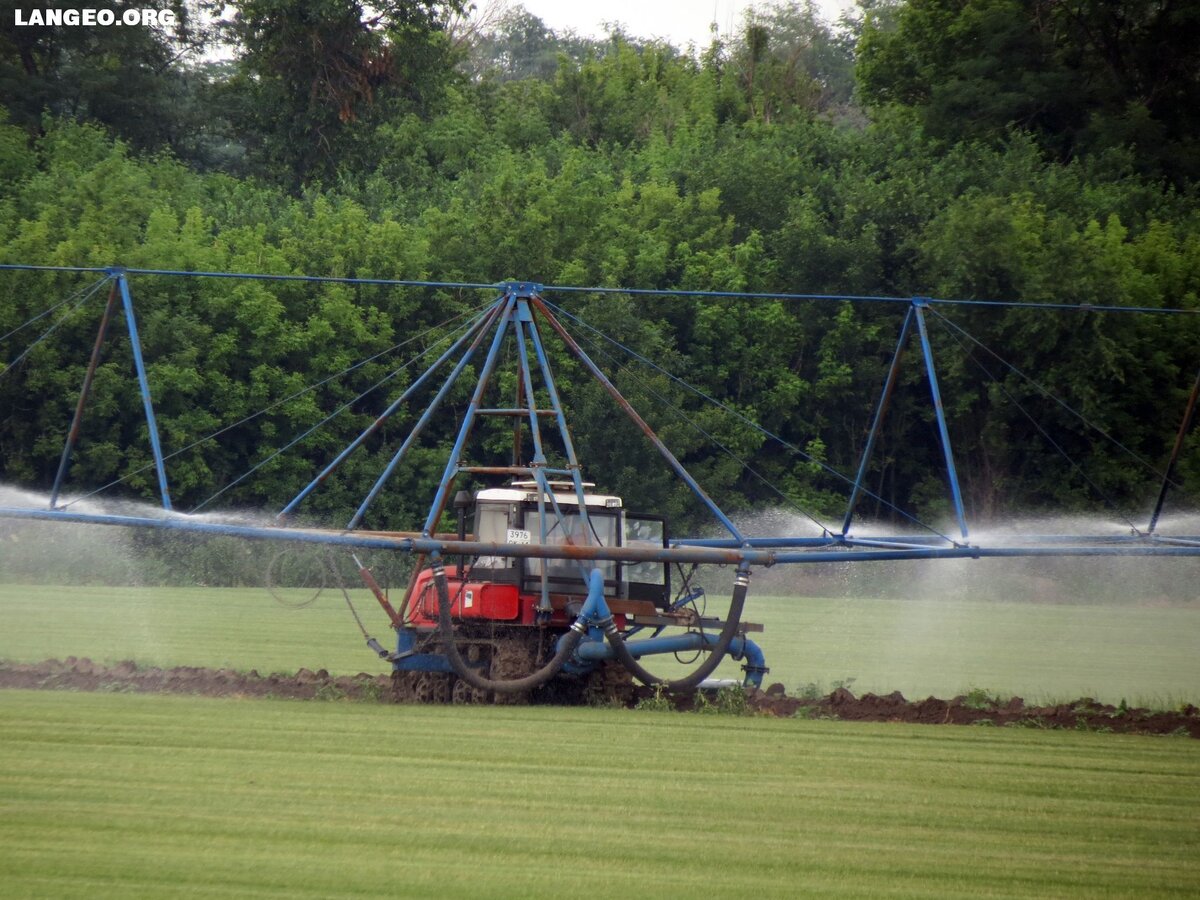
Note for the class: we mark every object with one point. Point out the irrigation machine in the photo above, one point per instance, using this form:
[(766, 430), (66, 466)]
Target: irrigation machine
[(549, 583)]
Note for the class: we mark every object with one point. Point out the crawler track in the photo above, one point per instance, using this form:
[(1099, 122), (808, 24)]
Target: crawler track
[(503, 654)]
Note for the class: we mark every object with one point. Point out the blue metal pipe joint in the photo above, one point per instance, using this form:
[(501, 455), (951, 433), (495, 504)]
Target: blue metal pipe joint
[(594, 649)]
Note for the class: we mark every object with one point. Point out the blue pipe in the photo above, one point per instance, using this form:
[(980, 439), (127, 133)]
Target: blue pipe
[(666, 292), (886, 539), (12, 267), (621, 554), (595, 607), (323, 279), (1183, 542), (254, 276), (592, 623), (860, 298), (143, 384), (739, 648), (763, 543)]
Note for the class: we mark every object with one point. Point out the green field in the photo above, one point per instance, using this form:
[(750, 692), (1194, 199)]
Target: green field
[(944, 647), (919, 647), (131, 795), (134, 795)]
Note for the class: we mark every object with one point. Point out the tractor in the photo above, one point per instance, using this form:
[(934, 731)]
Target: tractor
[(509, 613)]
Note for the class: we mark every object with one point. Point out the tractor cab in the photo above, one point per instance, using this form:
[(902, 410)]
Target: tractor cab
[(509, 589), (513, 515)]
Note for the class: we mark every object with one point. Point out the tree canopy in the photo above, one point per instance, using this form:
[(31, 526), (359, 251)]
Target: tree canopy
[(1082, 75), (971, 149)]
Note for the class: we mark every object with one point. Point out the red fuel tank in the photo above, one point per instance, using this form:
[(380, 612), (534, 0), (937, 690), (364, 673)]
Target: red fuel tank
[(474, 600)]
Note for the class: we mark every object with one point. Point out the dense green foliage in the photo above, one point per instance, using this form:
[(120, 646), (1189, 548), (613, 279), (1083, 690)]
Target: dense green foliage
[(118, 795), (746, 166), (1082, 75)]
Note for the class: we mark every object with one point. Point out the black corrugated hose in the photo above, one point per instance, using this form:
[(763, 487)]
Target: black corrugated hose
[(464, 671), (740, 585)]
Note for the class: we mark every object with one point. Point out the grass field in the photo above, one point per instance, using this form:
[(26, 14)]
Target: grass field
[(134, 795), (919, 647), (942, 647)]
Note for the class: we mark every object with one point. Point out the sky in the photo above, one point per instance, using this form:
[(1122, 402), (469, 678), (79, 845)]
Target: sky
[(679, 21)]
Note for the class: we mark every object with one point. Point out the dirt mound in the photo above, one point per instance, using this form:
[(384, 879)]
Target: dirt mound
[(1084, 714), (974, 709)]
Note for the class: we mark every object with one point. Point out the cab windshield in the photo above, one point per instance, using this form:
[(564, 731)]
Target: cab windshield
[(569, 530)]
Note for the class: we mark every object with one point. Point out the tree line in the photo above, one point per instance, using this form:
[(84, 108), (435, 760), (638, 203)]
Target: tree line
[(1016, 150)]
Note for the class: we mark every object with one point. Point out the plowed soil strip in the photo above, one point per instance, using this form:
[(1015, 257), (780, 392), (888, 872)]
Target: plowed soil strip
[(74, 674), (1082, 715)]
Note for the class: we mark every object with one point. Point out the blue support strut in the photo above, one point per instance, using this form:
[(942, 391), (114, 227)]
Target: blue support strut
[(951, 472), (464, 432), (151, 424), (432, 408), (479, 324), (538, 463), (564, 430)]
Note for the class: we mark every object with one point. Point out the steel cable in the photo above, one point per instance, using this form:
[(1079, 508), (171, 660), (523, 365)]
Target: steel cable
[(745, 420), (56, 306), (293, 396), (333, 415), (681, 415), (1041, 430), (78, 303), (1051, 395)]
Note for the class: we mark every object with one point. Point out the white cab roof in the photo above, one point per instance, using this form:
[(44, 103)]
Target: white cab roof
[(564, 493)]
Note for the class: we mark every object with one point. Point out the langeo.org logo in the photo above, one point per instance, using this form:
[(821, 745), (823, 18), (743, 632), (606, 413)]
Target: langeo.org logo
[(91, 18)]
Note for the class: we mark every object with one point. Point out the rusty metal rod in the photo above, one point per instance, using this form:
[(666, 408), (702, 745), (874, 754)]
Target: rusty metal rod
[(885, 397), (1188, 413), (520, 413), (511, 470), (380, 597), (73, 432), (628, 409)]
